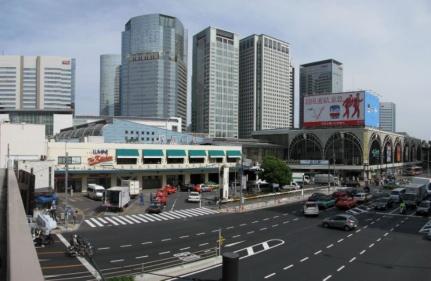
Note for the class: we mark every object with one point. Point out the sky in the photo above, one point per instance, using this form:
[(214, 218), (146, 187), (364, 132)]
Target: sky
[(385, 46)]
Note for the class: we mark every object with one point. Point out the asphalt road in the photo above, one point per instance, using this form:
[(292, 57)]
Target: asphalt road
[(386, 246)]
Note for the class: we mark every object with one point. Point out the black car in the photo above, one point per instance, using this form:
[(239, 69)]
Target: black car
[(315, 196), (424, 208), (185, 187), (383, 203), (154, 208)]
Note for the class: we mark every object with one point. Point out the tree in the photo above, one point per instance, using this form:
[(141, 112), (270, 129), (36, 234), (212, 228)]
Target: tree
[(275, 170)]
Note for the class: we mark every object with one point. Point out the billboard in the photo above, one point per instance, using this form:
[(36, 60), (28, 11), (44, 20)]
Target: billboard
[(359, 108)]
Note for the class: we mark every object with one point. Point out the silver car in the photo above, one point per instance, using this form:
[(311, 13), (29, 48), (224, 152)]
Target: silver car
[(343, 221)]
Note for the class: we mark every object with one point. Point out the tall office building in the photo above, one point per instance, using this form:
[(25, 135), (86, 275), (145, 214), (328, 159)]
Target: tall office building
[(154, 68), (215, 83), (319, 77), (388, 116), (110, 85), (37, 83), (266, 85)]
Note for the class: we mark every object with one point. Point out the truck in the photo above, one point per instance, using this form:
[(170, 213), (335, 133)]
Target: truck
[(426, 181), (301, 177), (117, 198), (323, 179), (415, 193), (133, 186)]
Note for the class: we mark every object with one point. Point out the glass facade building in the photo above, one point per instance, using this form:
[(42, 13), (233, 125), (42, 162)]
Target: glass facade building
[(318, 78), (266, 85), (387, 116), (154, 68), (215, 83), (109, 84)]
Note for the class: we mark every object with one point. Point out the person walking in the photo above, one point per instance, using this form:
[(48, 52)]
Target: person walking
[(53, 210)]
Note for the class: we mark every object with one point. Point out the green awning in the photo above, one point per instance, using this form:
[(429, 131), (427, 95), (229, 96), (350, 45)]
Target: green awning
[(152, 153), (234, 154), (176, 153), (216, 153), (127, 153), (197, 154)]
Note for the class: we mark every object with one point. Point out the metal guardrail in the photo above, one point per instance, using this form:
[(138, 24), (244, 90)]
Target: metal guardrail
[(22, 260)]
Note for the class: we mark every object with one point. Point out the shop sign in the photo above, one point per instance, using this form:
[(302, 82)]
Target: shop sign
[(99, 156)]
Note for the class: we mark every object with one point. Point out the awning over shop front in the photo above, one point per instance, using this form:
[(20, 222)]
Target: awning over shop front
[(216, 153), (197, 154), (176, 153), (234, 154), (127, 153), (152, 153)]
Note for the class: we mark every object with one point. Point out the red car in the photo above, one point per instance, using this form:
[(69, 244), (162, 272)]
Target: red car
[(345, 203), (197, 188), (170, 189), (339, 194)]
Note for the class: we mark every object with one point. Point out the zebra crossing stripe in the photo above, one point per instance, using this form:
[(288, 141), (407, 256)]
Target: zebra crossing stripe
[(102, 220), (139, 218), (159, 217), (163, 216), (170, 216), (145, 217), (126, 219), (154, 217), (89, 223), (181, 216), (96, 221), (133, 219), (203, 211), (198, 211), (181, 212), (118, 220), (111, 221), (193, 213), (174, 214)]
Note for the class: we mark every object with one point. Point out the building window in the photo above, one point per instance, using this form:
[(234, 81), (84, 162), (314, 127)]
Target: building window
[(148, 139), (126, 132), (175, 160), (131, 132), (152, 160), (148, 133), (126, 161), (152, 133)]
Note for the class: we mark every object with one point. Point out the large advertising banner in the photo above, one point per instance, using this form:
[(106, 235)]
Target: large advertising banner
[(335, 110)]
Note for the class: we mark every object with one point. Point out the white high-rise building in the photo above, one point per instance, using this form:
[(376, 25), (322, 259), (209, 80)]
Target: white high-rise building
[(388, 116), (110, 85), (37, 83), (215, 83), (266, 85)]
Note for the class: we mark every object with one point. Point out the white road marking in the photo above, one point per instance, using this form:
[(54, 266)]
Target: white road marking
[(145, 243), (118, 220), (243, 224), (373, 222), (352, 259), (233, 244), (340, 268), (371, 245), (295, 219), (287, 267), (263, 228), (164, 253), (121, 260), (378, 240), (125, 246), (362, 252), (102, 220), (358, 231), (397, 225), (127, 220), (269, 275), (141, 257), (96, 222), (215, 230), (304, 259), (318, 252), (274, 217), (111, 221), (254, 221), (173, 205), (265, 219), (133, 219), (366, 226), (236, 236), (250, 232), (392, 229), (166, 239), (275, 225), (186, 248), (89, 223), (184, 236), (286, 222), (229, 227), (329, 246), (350, 235), (203, 244), (341, 240), (386, 234), (200, 233), (139, 218), (104, 248), (327, 278), (145, 217)]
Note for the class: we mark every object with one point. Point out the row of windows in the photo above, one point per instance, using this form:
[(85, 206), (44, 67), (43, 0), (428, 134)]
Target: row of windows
[(137, 132)]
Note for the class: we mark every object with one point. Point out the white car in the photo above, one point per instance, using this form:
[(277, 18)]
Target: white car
[(311, 209), (362, 197), (292, 186), (194, 197)]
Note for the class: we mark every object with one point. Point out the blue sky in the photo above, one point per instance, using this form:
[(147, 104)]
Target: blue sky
[(384, 45)]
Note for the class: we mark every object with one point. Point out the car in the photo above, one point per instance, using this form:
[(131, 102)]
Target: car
[(206, 188), (424, 208), (194, 196), (197, 188), (339, 194), (170, 189), (155, 208), (362, 197), (346, 203), (315, 196), (311, 208), (343, 221), (292, 186), (383, 203), (185, 187), (324, 201)]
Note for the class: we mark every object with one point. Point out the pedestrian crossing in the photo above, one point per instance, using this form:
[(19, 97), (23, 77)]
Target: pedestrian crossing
[(357, 211), (426, 228), (147, 218)]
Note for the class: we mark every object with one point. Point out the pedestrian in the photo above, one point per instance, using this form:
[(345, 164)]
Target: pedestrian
[(53, 210), (74, 216), (141, 198)]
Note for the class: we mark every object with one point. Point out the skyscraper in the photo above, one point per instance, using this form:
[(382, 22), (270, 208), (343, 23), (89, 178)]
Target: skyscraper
[(215, 83), (37, 83), (266, 85), (154, 68), (319, 77), (110, 84), (388, 116)]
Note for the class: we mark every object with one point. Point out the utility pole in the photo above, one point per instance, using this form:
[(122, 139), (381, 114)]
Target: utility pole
[(240, 183), (66, 184)]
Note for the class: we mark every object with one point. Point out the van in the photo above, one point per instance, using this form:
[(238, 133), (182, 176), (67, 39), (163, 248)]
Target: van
[(95, 191), (397, 194)]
